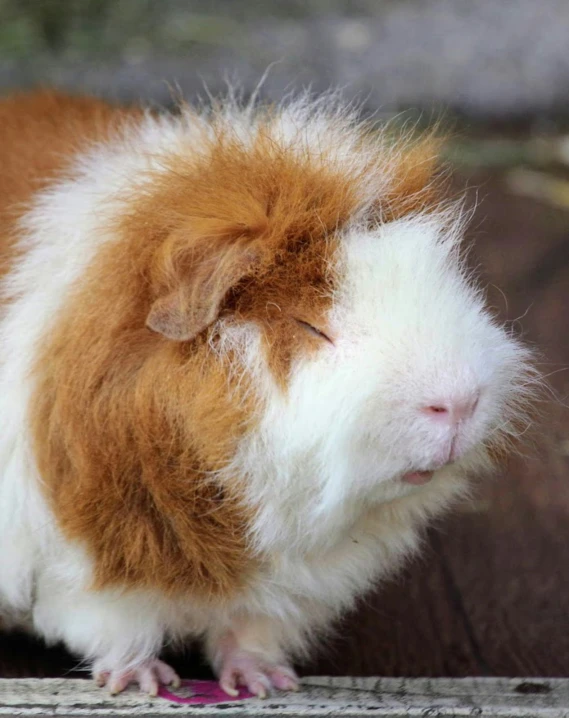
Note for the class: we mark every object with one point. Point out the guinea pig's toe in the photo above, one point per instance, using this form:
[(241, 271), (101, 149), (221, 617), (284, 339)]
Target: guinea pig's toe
[(101, 678), (260, 686), (150, 675), (118, 681), (167, 676), (258, 676), (228, 684), (148, 681), (284, 678)]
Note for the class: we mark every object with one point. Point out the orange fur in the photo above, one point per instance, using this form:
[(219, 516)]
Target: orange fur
[(129, 424), (40, 133), (417, 184)]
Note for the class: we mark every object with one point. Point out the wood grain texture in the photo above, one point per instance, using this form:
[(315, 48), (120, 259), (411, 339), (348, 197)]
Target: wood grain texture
[(488, 596), (319, 696)]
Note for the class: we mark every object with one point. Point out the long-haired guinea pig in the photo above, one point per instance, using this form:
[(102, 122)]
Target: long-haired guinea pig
[(242, 364)]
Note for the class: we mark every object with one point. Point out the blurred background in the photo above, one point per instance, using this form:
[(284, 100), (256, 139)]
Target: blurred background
[(489, 594), (483, 59)]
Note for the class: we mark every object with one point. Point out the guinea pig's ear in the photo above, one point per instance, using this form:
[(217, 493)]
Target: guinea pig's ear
[(191, 307), (170, 317), (416, 180)]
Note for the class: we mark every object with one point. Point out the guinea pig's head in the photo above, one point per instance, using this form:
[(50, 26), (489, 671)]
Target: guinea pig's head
[(328, 273)]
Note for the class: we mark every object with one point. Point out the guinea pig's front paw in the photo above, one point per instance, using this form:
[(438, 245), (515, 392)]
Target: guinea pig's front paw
[(149, 676), (241, 668)]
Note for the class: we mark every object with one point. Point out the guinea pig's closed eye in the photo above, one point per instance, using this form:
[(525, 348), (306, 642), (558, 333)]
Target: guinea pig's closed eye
[(313, 330)]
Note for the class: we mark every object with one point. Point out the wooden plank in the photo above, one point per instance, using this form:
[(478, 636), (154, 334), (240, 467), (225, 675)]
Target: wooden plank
[(506, 561), (408, 626), (320, 696)]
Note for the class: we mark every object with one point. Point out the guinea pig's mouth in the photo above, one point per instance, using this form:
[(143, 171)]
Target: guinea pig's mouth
[(417, 478)]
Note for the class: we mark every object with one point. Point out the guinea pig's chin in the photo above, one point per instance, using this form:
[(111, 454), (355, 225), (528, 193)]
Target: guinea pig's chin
[(472, 462), (397, 488), (413, 481)]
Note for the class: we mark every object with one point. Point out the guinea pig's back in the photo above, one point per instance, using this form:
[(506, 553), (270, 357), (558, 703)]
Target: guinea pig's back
[(41, 133)]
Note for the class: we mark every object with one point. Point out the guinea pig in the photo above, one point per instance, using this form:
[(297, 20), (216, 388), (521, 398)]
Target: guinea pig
[(243, 362)]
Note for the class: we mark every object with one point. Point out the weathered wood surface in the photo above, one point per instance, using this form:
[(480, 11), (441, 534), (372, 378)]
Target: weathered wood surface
[(389, 698)]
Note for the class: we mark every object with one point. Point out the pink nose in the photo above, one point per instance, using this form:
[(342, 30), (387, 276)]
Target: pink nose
[(453, 411)]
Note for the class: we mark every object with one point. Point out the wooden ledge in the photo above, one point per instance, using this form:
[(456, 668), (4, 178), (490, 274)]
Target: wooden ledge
[(354, 697)]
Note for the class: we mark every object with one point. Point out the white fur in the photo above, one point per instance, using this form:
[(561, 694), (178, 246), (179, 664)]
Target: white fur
[(323, 471)]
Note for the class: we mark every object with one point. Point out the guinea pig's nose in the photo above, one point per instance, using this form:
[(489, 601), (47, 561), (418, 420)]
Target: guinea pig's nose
[(453, 410)]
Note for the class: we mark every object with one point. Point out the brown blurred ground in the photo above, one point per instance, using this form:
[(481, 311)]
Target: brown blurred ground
[(489, 594)]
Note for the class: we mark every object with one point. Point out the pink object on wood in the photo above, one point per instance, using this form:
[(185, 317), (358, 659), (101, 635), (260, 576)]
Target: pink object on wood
[(201, 693)]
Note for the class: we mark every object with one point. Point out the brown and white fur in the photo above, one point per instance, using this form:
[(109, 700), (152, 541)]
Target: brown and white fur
[(242, 363)]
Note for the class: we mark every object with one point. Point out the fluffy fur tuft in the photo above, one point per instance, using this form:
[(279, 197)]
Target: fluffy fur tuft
[(227, 339)]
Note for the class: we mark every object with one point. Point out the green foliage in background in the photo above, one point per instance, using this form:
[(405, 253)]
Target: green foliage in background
[(95, 27)]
